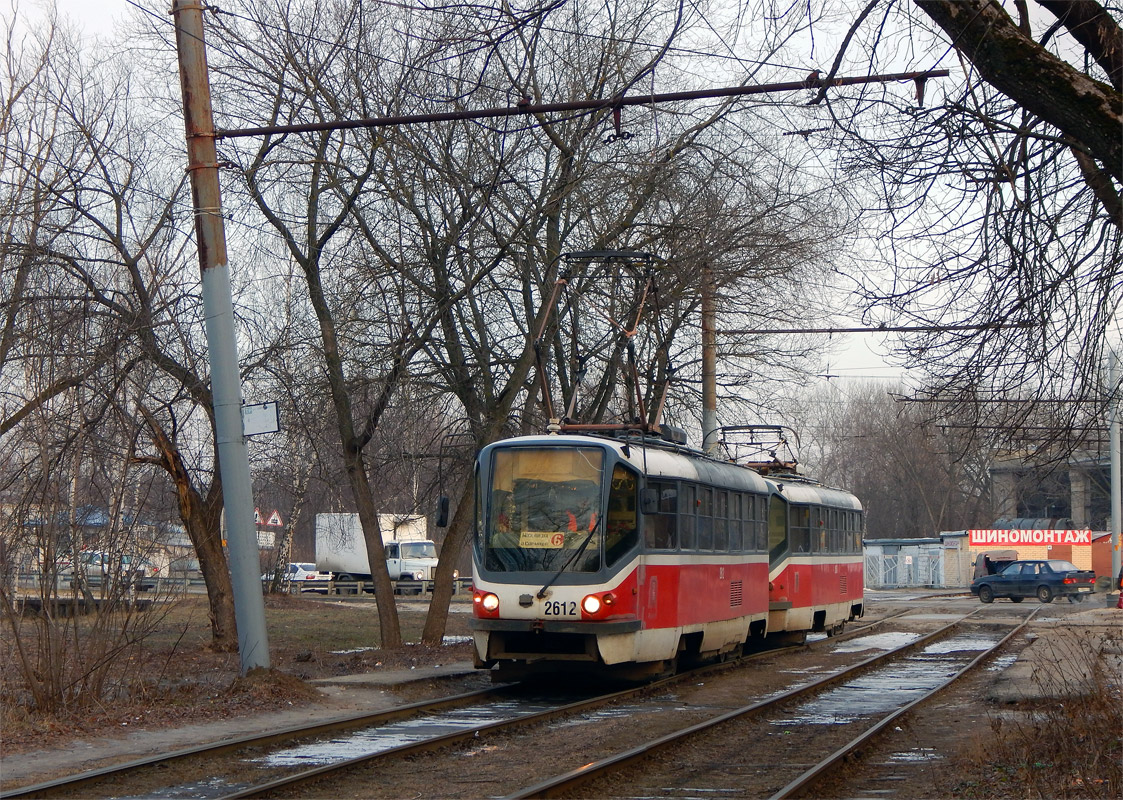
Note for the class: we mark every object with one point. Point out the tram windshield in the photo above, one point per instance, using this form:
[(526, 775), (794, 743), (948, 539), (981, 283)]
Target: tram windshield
[(543, 510)]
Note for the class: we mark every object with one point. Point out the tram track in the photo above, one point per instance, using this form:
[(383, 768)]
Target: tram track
[(754, 779), (152, 776)]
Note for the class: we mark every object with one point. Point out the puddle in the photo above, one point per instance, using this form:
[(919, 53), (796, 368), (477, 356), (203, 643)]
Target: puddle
[(877, 641), (815, 670), (1001, 663), (354, 745), (878, 692), (386, 737), (918, 756), (885, 690), (617, 712), (445, 640), (965, 642)]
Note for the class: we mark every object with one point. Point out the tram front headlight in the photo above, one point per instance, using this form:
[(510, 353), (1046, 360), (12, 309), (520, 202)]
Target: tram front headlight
[(591, 604), (488, 602)]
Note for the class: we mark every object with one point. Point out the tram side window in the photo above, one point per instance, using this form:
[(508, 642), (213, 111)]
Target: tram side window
[(801, 529), (660, 528), (756, 537), (721, 520), (777, 527), (818, 528), (705, 519), (748, 523), (479, 509), (855, 537), (760, 523), (622, 532), (736, 502), (687, 506)]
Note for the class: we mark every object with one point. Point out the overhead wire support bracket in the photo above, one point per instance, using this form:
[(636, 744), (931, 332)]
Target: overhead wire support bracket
[(524, 107)]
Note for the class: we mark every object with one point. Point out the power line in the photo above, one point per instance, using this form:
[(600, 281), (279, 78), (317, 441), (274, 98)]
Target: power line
[(988, 400), (889, 328)]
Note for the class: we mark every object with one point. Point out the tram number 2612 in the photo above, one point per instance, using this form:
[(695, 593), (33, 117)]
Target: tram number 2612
[(560, 608)]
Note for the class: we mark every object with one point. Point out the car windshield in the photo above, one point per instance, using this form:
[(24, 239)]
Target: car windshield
[(307, 567), (1057, 565), (419, 550)]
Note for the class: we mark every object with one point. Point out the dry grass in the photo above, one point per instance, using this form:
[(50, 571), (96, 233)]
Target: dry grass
[(169, 676), (1067, 742)]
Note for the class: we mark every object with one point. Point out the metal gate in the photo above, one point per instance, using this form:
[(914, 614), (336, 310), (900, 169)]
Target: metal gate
[(911, 566)]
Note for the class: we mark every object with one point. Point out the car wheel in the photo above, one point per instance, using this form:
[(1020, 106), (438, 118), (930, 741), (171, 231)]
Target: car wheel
[(986, 594), (1076, 598), (1016, 599), (1044, 594)]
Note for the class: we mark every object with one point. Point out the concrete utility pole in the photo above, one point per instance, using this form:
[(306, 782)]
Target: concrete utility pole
[(218, 306)]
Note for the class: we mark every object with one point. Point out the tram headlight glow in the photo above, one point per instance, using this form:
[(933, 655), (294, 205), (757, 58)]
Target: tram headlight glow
[(489, 602), (591, 604)]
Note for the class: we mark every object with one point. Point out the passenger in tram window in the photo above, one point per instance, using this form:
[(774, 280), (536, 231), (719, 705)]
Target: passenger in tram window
[(659, 532), (583, 518)]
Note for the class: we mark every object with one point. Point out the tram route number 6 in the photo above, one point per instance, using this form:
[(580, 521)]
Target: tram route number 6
[(560, 608)]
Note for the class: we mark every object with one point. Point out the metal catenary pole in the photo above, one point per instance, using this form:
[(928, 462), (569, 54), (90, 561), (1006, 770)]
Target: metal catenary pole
[(233, 458), (709, 363), (1116, 394)]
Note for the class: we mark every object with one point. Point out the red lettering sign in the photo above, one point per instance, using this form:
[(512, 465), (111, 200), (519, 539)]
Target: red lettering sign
[(1027, 538)]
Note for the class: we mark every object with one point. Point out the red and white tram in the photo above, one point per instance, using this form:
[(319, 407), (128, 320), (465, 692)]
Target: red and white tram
[(623, 555)]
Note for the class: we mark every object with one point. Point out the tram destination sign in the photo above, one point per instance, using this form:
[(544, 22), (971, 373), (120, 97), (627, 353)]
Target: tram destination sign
[(1029, 537)]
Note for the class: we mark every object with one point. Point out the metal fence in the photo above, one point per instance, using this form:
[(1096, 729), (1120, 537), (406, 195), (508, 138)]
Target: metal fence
[(29, 582), (910, 566)]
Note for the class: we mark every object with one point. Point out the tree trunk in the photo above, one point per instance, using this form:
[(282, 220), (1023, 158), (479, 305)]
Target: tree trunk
[(1088, 111), (202, 519)]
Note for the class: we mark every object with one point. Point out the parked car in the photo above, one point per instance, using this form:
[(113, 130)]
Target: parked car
[(101, 567), (1043, 579), (301, 572)]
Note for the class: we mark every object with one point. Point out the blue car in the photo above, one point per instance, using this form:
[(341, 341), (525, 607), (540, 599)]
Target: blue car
[(1043, 579)]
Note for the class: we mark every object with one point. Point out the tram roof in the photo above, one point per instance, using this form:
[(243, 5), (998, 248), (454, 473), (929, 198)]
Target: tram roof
[(660, 459)]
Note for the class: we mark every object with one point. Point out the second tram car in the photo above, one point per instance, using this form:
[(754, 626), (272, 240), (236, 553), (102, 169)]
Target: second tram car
[(623, 555)]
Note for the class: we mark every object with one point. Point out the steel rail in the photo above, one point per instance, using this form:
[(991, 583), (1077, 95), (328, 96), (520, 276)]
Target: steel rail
[(253, 740), (455, 737), (812, 775), (565, 782), (70, 783)]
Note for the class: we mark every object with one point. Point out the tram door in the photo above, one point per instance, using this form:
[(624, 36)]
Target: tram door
[(777, 529)]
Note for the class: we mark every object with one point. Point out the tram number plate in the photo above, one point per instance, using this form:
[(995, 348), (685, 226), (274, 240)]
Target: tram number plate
[(560, 608)]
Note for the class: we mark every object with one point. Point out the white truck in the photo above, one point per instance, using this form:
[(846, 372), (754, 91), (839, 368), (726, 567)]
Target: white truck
[(342, 551)]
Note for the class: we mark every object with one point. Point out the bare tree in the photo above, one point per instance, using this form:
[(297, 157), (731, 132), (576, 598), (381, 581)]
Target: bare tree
[(916, 471), (999, 195), (103, 293)]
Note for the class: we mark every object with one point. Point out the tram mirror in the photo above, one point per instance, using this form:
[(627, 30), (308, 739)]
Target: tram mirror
[(442, 511), (649, 501)]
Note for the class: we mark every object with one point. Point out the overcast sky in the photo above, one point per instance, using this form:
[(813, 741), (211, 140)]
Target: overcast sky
[(855, 356)]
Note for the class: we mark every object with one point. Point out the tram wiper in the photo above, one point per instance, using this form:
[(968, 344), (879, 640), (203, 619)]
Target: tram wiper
[(576, 554)]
